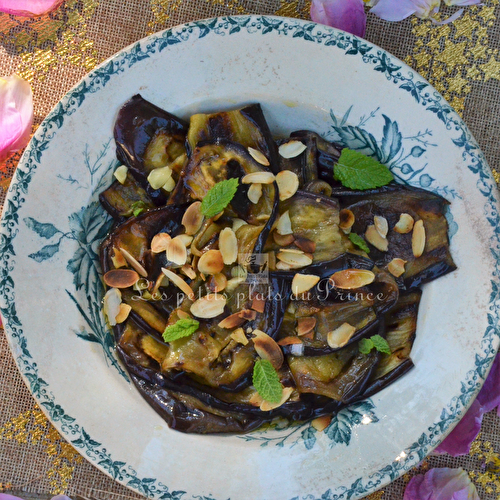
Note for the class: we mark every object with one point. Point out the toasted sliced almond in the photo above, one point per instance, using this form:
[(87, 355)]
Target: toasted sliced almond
[(239, 336), (217, 282), (282, 266), (192, 219), (305, 325), (210, 306), (374, 237), (123, 314), (162, 280), (186, 239), (121, 278), (288, 183), (160, 242), (232, 321), (256, 399), (237, 223), (349, 279), (228, 246), (182, 314), (396, 267), (254, 193), (188, 271), (321, 423), (121, 174), (258, 178), (418, 238), (267, 348), (177, 251), (118, 259), (178, 282), (405, 224), (347, 220), (290, 341), (111, 305), (293, 259), (247, 314), (134, 263), (259, 304), (267, 406), (305, 244), (211, 262), (283, 240), (340, 336), (169, 185), (159, 176), (296, 251), (381, 225), (303, 282), (234, 283), (291, 149), (258, 156), (284, 224)]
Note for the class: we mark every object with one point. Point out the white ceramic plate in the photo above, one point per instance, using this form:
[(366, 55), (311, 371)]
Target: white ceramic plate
[(305, 76)]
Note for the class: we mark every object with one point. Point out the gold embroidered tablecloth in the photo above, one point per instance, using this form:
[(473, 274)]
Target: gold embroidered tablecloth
[(461, 59)]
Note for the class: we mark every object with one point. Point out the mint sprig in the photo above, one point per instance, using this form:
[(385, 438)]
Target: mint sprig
[(359, 242), (219, 197), (180, 329), (266, 381), (358, 171), (138, 207), (376, 341)]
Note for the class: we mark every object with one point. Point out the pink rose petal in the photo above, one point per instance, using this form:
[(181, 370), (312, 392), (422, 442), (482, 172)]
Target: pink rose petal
[(5, 496), (29, 8), (347, 15), (16, 114), (397, 10), (441, 484)]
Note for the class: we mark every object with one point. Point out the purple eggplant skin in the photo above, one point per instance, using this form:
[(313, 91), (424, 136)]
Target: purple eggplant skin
[(137, 124)]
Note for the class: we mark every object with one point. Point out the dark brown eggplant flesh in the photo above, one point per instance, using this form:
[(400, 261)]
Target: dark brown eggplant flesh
[(421, 205), (246, 126)]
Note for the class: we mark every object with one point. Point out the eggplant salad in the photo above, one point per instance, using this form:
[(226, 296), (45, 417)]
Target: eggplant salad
[(249, 278)]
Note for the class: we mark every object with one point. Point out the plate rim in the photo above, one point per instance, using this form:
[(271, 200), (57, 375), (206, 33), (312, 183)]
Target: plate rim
[(135, 52)]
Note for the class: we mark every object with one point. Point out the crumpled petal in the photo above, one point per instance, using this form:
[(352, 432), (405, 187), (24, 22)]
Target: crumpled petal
[(460, 439), (441, 484), (29, 8), (16, 114), (347, 15), (397, 10)]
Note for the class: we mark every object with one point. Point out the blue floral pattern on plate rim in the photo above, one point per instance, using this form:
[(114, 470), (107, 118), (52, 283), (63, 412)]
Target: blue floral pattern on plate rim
[(396, 73)]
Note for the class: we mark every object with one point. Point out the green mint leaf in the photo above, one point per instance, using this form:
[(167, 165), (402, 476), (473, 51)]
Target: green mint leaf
[(219, 197), (359, 242), (358, 171), (266, 381), (181, 328), (380, 344), (137, 207), (365, 346)]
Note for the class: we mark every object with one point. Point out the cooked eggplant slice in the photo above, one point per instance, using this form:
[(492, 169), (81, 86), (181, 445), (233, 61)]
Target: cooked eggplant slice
[(246, 126)]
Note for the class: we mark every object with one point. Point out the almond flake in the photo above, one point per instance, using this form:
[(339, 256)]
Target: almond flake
[(176, 251), (305, 325), (111, 305), (283, 240), (340, 336), (123, 314), (210, 306), (396, 267), (259, 304), (258, 156), (347, 220), (178, 282), (228, 246), (418, 238), (247, 314), (267, 348), (121, 278), (305, 244), (289, 341), (169, 185), (303, 282), (121, 174), (239, 336), (282, 266), (217, 282), (188, 271), (258, 178), (186, 239), (237, 223), (159, 176), (192, 219), (291, 149), (381, 225), (254, 193), (233, 283), (284, 224), (293, 259), (118, 259), (211, 262), (267, 406), (374, 237), (182, 314), (321, 423), (288, 183), (349, 279), (405, 224), (134, 263), (160, 242), (232, 321)]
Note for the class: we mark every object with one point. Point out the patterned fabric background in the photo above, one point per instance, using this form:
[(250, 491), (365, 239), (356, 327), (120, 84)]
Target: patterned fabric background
[(461, 59)]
